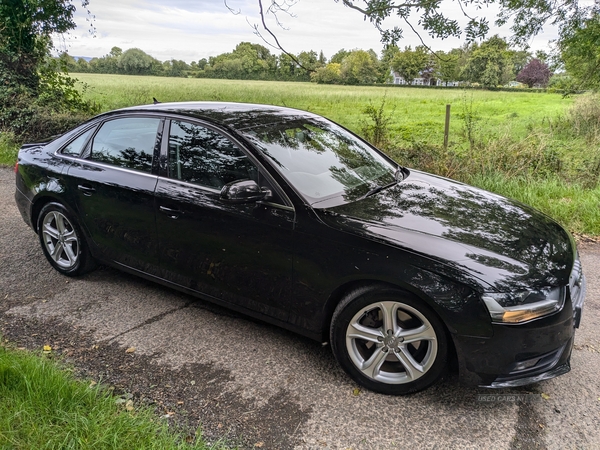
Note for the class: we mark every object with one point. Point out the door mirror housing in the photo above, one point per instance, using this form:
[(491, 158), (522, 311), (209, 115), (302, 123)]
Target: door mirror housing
[(244, 191)]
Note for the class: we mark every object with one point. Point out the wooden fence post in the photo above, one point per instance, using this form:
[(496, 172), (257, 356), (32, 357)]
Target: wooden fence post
[(447, 127)]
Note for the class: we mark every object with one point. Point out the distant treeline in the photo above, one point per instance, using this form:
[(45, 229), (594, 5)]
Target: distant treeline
[(491, 63)]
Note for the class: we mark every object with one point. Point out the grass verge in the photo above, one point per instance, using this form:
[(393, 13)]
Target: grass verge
[(44, 407), (572, 205), (9, 148)]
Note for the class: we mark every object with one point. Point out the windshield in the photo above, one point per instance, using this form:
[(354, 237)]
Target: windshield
[(321, 159)]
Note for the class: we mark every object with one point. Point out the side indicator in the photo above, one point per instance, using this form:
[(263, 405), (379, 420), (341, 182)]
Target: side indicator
[(17, 167)]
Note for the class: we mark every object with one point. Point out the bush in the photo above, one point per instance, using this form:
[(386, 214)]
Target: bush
[(54, 108), (584, 117), (9, 147)]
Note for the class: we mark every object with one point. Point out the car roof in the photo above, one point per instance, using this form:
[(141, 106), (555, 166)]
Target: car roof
[(235, 115)]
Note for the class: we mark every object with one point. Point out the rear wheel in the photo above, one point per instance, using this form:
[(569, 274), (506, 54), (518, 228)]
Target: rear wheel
[(388, 341), (62, 241)]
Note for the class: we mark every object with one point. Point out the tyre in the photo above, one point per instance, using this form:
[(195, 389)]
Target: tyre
[(388, 341), (62, 241)]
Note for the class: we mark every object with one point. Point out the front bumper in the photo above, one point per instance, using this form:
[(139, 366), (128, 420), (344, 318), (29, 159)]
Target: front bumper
[(518, 355)]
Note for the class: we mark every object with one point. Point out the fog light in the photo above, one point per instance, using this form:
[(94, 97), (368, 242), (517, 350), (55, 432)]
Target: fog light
[(525, 364)]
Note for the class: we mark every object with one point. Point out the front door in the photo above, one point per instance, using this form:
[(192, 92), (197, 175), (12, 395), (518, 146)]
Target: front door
[(236, 253)]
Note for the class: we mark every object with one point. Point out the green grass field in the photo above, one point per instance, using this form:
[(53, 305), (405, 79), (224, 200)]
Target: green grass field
[(418, 114), (539, 148), (522, 144)]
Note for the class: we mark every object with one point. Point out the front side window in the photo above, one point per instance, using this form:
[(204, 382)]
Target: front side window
[(127, 142), (203, 156)]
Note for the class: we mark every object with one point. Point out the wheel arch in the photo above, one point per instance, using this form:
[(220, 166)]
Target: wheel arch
[(344, 289), (341, 291), (39, 203)]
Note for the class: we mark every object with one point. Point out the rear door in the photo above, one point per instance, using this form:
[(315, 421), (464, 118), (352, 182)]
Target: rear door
[(112, 187)]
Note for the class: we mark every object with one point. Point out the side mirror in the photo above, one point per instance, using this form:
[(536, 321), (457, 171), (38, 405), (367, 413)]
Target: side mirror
[(243, 191)]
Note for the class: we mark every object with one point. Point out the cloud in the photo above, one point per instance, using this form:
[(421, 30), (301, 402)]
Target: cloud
[(194, 29)]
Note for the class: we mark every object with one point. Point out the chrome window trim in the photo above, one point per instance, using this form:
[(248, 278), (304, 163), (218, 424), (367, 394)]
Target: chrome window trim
[(109, 166)]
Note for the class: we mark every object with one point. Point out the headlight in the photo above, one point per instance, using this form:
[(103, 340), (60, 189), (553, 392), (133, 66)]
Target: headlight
[(523, 306)]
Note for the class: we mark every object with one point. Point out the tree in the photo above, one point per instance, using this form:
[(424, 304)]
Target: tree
[(67, 62), (388, 54), (339, 56), (535, 73), (25, 30), (202, 63), (308, 62), (116, 52), (137, 62), (330, 74), (33, 84), (410, 63), (490, 64), (175, 68), (429, 17), (246, 61), (359, 67), (448, 65), (580, 51)]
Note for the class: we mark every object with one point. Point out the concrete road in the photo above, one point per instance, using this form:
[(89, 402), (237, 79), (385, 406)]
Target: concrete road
[(262, 387)]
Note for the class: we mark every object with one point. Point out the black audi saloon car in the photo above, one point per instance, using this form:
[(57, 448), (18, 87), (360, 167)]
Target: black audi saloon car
[(290, 218)]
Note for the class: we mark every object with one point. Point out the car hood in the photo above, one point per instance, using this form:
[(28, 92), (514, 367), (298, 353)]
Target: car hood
[(499, 241)]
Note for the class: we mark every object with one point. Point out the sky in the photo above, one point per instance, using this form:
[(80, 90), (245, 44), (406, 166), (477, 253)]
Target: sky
[(193, 29)]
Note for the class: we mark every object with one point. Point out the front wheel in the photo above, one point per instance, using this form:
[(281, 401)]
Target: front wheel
[(388, 341), (62, 241)]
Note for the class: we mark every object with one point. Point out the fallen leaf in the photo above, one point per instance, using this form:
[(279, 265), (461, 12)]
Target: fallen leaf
[(180, 403), (130, 350), (356, 392), (192, 382), (47, 349), (259, 444), (545, 396), (129, 405), (93, 383)]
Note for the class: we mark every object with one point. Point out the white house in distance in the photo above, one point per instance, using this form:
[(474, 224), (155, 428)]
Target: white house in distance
[(397, 79)]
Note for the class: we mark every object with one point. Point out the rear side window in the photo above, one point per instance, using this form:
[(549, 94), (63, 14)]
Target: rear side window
[(203, 156), (76, 146), (127, 142)]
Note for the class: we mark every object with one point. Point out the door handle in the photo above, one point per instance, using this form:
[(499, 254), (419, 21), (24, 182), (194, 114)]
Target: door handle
[(172, 213), (87, 190)]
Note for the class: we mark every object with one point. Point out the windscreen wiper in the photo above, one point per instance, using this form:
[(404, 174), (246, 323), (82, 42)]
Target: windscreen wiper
[(398, 177)]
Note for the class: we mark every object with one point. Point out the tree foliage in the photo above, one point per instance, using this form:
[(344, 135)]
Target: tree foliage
[(35, 87), (535, 73), (360, 67), (580, 51), (25, 30), (136, 62), (410, 63), (490, 64)]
